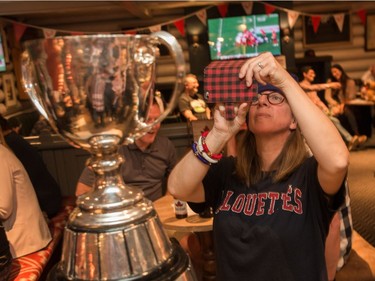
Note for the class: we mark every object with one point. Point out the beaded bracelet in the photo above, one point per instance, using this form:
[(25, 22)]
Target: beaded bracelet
[(200, 150), (198, 155), (202, 142)]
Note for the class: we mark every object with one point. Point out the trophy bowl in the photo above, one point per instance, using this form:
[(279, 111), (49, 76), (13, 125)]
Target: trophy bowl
[(96, 91)]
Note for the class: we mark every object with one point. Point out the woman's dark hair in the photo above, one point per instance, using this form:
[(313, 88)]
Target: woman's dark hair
[(343, 79)]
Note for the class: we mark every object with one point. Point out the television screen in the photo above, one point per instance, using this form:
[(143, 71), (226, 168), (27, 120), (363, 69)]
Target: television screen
[(243, 37), (3, 66)]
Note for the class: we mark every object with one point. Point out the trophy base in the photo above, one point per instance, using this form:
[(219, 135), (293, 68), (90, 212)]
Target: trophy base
[(178, 267)]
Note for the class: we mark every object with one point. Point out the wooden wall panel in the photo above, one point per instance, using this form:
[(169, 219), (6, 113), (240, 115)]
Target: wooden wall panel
[(353, 57)]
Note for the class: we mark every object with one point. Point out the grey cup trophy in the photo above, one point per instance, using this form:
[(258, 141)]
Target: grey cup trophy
[(96, 90)]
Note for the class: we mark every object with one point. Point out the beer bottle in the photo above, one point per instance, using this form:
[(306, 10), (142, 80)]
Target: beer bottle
[(180, 209)]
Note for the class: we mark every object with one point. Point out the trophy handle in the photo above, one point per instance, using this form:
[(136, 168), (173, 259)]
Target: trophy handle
[(176, 51)]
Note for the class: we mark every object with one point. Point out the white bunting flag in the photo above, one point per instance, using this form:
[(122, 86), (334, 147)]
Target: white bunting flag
[(292, 18), (155, 28), (202, 16), (248, 7), (49, 33), (339, 18)]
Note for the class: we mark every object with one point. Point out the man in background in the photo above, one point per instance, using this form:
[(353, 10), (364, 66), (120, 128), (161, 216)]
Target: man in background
[(148, 162), (191, 104)]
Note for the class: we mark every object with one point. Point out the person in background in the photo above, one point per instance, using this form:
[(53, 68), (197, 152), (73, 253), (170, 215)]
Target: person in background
[(368, 88), (15, 124), (5, 255), (20, 214), (337, 98), (41, 127), (311, 90), (148, 162), (274, 202), (191, 104), (46, 188)]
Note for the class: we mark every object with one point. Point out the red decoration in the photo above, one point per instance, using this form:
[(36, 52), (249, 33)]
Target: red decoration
[(77, 33), (315, 22), (180, 24), (223, 10), (130, 32), (19, 30), (269, 9), (362, 16)]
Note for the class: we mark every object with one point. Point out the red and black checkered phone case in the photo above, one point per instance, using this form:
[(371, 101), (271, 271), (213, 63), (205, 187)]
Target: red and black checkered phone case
[(222, 85)]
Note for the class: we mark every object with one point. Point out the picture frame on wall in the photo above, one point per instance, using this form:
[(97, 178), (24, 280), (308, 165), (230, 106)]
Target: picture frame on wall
[(328, 32), (370, 33), (9, 90)]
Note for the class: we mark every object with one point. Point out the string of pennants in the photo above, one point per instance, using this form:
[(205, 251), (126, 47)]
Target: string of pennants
[(316, 19)]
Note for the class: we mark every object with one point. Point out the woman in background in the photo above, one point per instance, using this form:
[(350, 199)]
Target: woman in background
[(20, 214), (337, 98)]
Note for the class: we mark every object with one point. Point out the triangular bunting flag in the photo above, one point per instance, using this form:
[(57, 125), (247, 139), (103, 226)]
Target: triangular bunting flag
[(130, 32), (19, 30), (292, 18), (269, 9), (49, 33), (315, 22), (223, 9), (155, 28), (202, 16), (362, 16), (248, 7), (180, 24), (339, 19), (77, 33)]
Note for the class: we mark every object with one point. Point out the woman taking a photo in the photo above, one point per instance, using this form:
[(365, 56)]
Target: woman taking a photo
[(273, 203)]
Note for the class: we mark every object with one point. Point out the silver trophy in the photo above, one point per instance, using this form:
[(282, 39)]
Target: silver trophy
[(96, 91)]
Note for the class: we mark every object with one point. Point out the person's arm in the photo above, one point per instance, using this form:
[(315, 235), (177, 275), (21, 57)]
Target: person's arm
[(6, 198), (320, 87), (208, 113), (351, 90), (85, 181), (185, 181), (328, 97), (82, 188), (320, 133), (189, 115)]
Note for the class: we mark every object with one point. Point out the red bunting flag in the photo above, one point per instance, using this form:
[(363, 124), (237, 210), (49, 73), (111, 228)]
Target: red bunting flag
[(362, 16), (19, 30), (269, 9), (74, 33), (315, 22), (223, 10), (130, 32), (180, 24)]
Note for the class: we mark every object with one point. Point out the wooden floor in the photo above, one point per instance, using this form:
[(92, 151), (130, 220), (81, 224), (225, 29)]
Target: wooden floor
[(361, 180)]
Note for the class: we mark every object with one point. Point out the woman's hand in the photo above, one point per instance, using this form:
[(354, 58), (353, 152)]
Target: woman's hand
[(223, 128), (264, 69)]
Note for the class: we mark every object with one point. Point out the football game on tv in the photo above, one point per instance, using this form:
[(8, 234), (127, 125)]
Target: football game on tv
[(243, 37)]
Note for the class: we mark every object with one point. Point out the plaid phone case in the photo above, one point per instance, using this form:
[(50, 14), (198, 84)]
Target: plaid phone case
[(221, 84)]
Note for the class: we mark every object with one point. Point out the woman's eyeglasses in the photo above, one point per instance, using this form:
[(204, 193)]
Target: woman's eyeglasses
[(273, 98)]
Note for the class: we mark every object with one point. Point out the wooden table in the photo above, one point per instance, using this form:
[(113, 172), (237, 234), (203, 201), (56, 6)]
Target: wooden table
[(362, 111), (193, 223)]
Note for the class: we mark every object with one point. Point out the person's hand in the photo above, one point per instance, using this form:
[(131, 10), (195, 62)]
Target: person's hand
[(264, 68), (226, 127), (335, 85)]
